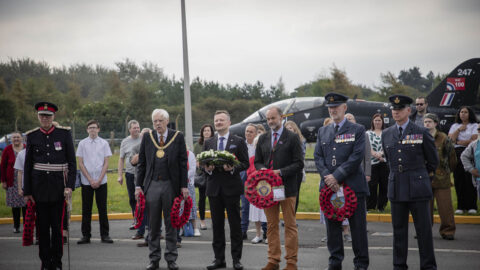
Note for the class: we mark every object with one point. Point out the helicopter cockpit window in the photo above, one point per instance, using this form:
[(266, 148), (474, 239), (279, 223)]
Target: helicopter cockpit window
[(254, 117), (305, 103), (282, 104)]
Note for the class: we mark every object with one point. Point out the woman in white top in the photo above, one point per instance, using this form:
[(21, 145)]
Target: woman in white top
[(462, 133)]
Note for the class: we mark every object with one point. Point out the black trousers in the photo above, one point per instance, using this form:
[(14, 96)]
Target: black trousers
[(466, 192), (378, 186), (420, 211), (218, 204), (16, 216), (299, 184), (201, 201), (130, 180), (358, 227), (87, 202), (49, 219)]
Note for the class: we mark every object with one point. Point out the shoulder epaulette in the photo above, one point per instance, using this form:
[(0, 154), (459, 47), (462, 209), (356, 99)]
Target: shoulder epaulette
[(62, 127), (32, 130)]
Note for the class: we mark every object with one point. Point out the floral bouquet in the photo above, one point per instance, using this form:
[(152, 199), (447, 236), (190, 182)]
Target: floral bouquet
[(217, 158)]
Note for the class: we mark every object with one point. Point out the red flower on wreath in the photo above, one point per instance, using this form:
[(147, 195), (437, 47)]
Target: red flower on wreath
[(139, 210), (180, 213), (262, 196), (340, 213)]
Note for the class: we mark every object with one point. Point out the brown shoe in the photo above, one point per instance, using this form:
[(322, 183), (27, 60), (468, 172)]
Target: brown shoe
[(290, 266), (142, 244), (271, 266)]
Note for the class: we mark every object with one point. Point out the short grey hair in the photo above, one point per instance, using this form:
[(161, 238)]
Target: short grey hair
[(162, 112), (252, 125), (131, 122), (277, 109)]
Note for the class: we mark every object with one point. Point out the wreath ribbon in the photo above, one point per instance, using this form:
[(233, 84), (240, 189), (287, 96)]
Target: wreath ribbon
[(139, 210), (29, 226)]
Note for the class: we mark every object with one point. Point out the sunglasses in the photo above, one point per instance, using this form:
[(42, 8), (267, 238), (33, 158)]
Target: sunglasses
[(420, 104)]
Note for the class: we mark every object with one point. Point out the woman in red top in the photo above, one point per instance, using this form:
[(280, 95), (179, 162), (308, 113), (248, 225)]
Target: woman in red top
[(9, 179)]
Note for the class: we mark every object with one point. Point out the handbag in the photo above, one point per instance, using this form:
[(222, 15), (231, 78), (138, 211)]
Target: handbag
[(200, 180), (188, 229)]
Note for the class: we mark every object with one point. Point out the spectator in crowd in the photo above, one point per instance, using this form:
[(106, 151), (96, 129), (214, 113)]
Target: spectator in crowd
[(441, 184), (256, 214), (125, 154), (93, 153), (471, 160), (206, 132), (192, 167), (378, 183), (421, 109), (260, 129), (290, 125), (462, 133), (9, 179), (250, 134)]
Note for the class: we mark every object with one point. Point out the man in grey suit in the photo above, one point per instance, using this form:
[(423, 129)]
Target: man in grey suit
[(161, 176), (338, 154)]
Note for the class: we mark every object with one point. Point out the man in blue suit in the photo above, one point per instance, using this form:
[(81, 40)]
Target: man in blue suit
[(412, 157), (338, 156)]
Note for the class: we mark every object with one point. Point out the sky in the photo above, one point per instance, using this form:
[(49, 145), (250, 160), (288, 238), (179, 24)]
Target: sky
[(242, 41)]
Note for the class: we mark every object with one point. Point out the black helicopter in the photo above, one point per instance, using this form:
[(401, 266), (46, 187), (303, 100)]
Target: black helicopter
[(459, 88)]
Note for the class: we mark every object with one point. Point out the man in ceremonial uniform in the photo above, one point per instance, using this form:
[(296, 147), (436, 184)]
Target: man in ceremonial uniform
[(412, 157), (162, 176), (49, 177), (338, 156)]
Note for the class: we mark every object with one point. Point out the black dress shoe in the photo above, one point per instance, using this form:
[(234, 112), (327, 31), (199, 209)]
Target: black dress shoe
[(142, 244), (244, 236), (172, 266), (237, 266), (447, 237), (152, 266), (107, 239), (216, 264), (84, 240), (360, 268)]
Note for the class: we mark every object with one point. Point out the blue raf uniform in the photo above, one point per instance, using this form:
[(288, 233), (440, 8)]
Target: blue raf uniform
[(412, 157), (340, 153), (50, 167)]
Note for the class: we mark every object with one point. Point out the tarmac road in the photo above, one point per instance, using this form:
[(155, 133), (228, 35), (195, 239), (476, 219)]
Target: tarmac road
[(196, 252)]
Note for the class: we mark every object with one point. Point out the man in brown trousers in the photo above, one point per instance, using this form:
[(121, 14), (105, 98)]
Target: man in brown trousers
[(441, 184)]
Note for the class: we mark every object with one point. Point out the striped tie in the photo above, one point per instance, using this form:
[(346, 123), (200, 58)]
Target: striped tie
[(275, 139)]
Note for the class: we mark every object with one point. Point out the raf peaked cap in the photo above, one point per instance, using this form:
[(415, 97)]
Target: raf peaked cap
[(399, 101), (46, 108), (334, 99)]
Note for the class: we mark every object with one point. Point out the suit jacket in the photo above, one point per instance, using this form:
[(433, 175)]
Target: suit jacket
[(55, 147), (411, 158), (177, 157), (224, 182), (287, 157), (341, 155)]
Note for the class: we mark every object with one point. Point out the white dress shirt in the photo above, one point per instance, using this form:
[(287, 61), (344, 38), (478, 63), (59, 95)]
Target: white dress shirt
[(93, 152)]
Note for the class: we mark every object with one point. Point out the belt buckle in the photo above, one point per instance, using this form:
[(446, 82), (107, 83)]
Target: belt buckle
[(400, 168)]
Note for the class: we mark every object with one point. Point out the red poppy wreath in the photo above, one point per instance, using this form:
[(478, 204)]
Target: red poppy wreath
[(180, 213), (139, 210), (29, 226), (334, 208), (259, 188)]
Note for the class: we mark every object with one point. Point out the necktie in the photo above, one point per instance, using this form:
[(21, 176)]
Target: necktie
[(220, 145), (336, 128), (162, 142), (275, 140), (400, 131)]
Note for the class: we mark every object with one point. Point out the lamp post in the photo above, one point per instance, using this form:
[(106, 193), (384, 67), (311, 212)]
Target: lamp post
[(186, 83)]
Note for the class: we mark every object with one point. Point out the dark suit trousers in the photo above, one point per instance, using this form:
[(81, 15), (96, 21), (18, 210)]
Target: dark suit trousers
[(466, 192), (87, 203), (49, 216), (358, 227), (420, 211), (159, 198), (218, 204)]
